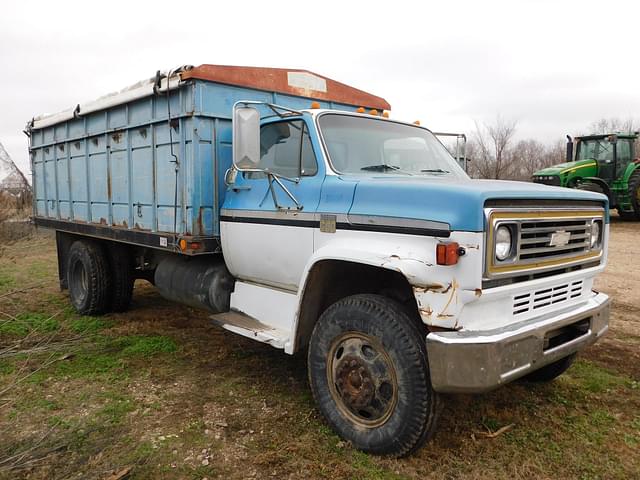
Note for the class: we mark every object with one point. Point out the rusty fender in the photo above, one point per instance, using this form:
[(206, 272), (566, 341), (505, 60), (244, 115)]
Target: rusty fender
[(440, 305)]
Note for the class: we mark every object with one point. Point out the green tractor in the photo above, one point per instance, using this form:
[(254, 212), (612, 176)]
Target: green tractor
[(605, 164)]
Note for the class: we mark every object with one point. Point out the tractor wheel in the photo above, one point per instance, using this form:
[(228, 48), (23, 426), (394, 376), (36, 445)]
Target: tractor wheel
[(634, 193), (590, 187), (627, 216)]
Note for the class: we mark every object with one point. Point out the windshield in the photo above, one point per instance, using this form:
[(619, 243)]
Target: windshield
[(600, 150), (359, 145)]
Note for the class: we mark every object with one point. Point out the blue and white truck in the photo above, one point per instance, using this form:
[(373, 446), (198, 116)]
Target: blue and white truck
[(294, 210)]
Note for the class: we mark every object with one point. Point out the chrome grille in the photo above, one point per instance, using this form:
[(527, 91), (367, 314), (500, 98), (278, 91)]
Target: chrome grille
[(545, 239), (526, 302), (535, 239)]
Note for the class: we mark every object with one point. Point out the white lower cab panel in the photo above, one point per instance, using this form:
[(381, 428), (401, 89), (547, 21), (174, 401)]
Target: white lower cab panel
[(261, 313)]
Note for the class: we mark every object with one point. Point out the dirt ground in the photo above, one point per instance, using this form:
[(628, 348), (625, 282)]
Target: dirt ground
[(159, 392)]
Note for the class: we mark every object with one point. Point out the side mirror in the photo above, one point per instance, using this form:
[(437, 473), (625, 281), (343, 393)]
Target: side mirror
[(246, 138)]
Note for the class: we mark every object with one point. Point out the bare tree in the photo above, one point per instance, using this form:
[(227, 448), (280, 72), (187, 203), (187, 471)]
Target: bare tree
[(610, 125), (527, 157), (490, 148)]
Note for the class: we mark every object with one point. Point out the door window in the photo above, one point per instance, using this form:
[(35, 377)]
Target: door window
[(285, 149)]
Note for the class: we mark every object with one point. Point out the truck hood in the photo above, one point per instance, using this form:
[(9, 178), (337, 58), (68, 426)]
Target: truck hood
[(459, 203), (563, 167)]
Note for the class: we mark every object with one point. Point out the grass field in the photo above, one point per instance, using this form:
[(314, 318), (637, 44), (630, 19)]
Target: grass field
[(158, 392)]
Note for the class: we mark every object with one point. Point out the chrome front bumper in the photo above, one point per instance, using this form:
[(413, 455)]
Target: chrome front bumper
[(473, 362)]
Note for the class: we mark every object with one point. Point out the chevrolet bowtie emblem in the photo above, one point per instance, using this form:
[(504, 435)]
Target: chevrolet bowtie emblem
[(559, 238)]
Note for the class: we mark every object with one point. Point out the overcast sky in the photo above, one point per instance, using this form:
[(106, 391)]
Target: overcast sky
[(554, 66)]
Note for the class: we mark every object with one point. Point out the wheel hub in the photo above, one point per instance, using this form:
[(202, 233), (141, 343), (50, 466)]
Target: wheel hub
[(362, 379), (354, 383)]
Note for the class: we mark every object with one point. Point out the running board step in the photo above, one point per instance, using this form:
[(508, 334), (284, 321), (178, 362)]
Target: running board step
[(247, 326)]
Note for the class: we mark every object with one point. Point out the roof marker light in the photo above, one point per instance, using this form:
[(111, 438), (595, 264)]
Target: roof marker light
[(315, 105), (373, 111), (360, 110), (385, 114), (417, 122)]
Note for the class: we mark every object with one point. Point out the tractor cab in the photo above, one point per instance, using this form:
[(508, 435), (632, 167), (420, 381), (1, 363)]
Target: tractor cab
[(612, 154)]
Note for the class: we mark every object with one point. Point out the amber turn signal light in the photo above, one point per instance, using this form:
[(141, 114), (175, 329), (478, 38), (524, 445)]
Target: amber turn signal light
[(448, 253)]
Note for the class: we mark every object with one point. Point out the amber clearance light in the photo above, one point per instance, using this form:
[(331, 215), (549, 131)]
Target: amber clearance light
[(448, 253)]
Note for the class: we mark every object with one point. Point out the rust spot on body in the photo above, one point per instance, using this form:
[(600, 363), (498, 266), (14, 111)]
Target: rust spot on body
[(478, 292), (453, 286), (429, 287), (199, 222)]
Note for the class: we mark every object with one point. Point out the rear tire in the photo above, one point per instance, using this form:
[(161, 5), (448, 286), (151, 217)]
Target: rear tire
[(634, 194), (369, 375), (550, 372), (122, 278), (88, 277)]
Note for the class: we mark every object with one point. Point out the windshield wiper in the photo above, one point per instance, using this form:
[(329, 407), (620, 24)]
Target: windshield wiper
[(435, 170), (380, 168)]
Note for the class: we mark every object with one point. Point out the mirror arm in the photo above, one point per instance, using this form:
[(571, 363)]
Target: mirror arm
[(274, 178), (273, 192)]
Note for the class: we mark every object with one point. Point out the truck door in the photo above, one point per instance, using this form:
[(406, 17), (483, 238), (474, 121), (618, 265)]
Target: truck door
[(267, 235)]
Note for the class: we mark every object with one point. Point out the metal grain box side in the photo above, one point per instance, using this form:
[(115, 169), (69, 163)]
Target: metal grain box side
[(116, 168)]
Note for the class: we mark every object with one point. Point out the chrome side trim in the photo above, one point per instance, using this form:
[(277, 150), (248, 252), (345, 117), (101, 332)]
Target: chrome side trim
[(343, 221), (397, 222)]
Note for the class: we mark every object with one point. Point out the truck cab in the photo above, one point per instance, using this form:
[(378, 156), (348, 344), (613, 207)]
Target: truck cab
[(308, 219)]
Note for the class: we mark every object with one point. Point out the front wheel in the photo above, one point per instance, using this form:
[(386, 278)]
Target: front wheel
[(369, 375)]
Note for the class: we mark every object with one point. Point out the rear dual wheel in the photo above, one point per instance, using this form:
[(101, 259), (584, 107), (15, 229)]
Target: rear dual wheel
[(100, 279)]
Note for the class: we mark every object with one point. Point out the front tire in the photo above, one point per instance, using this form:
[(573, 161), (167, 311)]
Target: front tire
[(88, 277), (590, 187), (369, 375)]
